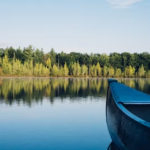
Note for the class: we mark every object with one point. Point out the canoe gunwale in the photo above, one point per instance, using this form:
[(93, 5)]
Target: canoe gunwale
[(120, 105)]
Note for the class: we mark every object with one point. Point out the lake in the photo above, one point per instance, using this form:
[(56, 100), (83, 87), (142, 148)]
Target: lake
[(56, 113)]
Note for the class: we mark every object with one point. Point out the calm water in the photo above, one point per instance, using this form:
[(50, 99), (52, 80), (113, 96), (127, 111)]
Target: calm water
[(56, 114)]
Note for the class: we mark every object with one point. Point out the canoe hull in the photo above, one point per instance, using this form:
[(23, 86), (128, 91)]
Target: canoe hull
[(112, 146), (126, 132)]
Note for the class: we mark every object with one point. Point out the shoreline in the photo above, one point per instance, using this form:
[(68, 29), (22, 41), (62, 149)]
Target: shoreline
[(15, 76)]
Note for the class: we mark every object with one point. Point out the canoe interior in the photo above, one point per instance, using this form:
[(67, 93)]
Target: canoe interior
[(141, 111), (126, 95)]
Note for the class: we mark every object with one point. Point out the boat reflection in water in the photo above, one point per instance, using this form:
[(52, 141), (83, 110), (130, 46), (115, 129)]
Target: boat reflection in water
[(112, 146), (128, 117)]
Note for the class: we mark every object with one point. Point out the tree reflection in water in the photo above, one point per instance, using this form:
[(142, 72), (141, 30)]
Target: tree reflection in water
[(33, 90), (30, 90)]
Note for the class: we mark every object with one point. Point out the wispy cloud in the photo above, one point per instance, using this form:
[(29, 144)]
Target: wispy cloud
[(122, 3)]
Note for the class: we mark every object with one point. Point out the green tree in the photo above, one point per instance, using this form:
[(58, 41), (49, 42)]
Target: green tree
[(6, 66), (25, 70), (52, 56), (37, 70), (105, 71), (11, 51), (93, 71), (148, 74), (55, 70), (99, 70), (111, 72), (1, 52), (76, 69), (48, 63), (17, 67), (0, 61), (28, 53), (19, 55), (84, 70), (141, 71), (45, 71), (129, 71), (115, 60), (118, 72), (38, 56), (66, 70), (61, 71), (104, 60)]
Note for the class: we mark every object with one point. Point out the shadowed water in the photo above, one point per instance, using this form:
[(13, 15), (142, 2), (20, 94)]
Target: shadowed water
[(56, 113)]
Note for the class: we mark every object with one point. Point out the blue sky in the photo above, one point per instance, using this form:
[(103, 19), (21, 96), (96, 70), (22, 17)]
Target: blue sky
[(97, 26)]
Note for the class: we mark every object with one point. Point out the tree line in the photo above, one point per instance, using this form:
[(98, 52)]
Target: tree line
[(34, 62)]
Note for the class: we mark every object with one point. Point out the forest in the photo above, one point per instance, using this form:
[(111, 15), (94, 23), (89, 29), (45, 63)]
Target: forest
[(30, 61)]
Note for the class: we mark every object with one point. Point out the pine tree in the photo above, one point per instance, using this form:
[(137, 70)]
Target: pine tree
[(28, 53)]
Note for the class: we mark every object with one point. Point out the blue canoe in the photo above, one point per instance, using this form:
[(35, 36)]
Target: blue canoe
[(112, 146), (128, 117)]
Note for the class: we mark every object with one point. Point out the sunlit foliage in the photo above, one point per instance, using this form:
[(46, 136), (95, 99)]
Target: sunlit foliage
[(33, 62)]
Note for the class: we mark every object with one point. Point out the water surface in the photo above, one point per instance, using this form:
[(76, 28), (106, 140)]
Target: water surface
[(56, 113)]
